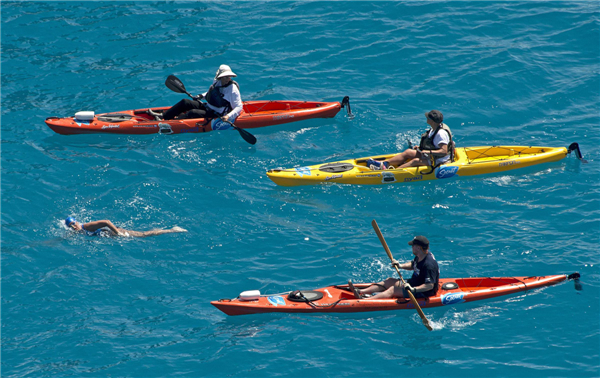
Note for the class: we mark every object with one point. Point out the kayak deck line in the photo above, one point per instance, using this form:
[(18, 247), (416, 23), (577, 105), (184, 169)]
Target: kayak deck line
[(482, 155)]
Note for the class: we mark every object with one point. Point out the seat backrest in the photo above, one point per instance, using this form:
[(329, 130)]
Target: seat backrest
[(452, 148)]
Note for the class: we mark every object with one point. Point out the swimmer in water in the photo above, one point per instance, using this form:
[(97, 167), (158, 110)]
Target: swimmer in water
[(106, 226)]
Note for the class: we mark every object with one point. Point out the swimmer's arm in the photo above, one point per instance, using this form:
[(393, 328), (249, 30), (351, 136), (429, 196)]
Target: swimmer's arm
[(93, 226), (124, 232)]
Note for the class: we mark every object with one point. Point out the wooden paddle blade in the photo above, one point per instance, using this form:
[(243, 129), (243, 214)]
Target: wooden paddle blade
[(382, 240), (421, 313)]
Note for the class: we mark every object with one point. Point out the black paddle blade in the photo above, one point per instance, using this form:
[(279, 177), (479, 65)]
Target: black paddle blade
[(346, 104), (243, 133), (174, 84), (575, 277), (575, 147), (246, 135)]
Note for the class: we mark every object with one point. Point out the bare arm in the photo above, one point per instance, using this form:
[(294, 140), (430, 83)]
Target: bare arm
[(443, 150), (93, 226), (424, 287)]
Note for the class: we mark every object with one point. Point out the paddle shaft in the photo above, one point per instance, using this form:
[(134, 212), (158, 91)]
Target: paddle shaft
[(410, 294)]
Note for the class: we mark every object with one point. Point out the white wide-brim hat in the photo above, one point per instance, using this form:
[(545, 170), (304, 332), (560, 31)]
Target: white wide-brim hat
[(224, 70)]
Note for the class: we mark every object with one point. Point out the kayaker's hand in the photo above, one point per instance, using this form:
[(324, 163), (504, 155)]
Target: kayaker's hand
[(395, 263), (225, 118), (198, 98), (407, 287)]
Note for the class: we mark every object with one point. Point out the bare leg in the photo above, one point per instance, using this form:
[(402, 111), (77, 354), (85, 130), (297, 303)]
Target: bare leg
[(400, 159), (141, 234), (393, 289), (379, 287), (415, 163)]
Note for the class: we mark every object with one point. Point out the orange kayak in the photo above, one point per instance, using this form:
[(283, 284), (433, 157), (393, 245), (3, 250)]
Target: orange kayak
[(138, 121), (339, 298)]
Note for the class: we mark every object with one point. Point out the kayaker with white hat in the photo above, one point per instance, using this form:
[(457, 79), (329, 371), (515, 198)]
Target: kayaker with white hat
[(223, 100)]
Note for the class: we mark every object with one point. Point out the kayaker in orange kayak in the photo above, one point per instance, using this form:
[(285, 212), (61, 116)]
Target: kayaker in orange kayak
[(223, 100), (435, 144), (107, 228), (423, 283)]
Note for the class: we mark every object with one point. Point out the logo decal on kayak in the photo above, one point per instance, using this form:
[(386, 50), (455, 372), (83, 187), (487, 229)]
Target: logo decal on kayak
[(333, 177), (87, 123), (507, 163), (192, 130), (444, 172), (416, 178), (420, 301), (217, 124), (452, 298), (283, 116), (110, 127), (276, 300), (303, 171)]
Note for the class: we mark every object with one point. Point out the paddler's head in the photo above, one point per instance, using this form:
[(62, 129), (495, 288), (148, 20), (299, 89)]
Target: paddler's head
[(434, 118), (419, 244), (224, 73)]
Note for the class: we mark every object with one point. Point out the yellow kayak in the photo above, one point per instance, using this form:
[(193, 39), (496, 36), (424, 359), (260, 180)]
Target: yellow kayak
[(468, 161)]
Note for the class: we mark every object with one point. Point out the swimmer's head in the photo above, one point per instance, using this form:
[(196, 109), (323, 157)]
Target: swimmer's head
[(70, 221)]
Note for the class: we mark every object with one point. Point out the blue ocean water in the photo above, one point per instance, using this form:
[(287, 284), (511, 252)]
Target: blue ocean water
[(509, 73)]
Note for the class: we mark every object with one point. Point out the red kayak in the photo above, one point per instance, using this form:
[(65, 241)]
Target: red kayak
[(255, 114), (339, 298)]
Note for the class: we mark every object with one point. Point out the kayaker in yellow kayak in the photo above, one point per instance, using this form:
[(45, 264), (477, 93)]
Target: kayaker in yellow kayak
[(107, 228), (223, 100), (423, 283), (435, 147)]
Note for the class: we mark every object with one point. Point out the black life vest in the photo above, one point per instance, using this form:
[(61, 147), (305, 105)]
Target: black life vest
[(216, 97), (426, 142)]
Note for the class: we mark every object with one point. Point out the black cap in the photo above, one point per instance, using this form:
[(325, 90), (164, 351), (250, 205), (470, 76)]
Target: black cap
[(435, 115), (420, 241)]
